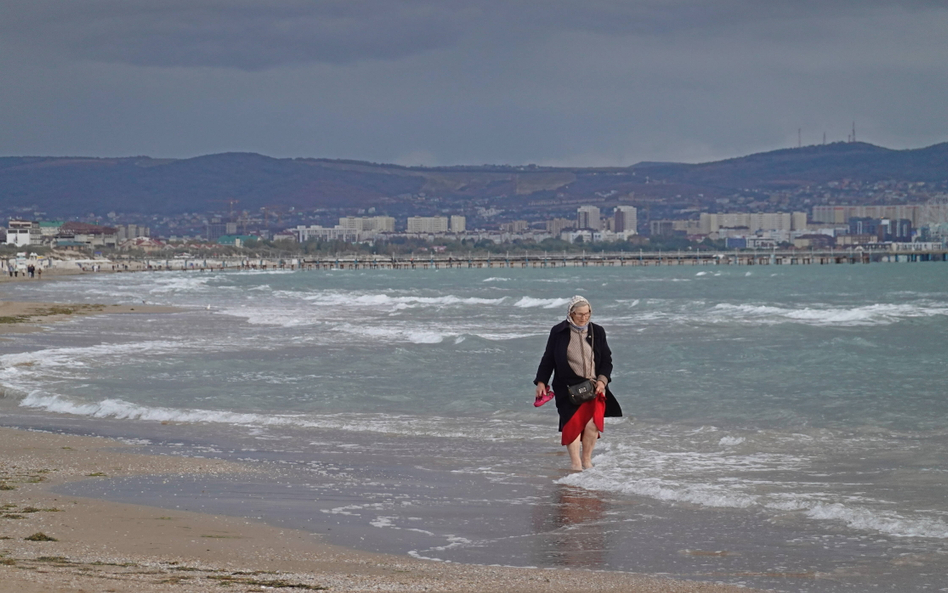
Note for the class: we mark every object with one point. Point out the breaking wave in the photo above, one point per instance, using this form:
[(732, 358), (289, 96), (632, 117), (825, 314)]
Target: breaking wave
[(530, 302), (876, 314), (409, 425)]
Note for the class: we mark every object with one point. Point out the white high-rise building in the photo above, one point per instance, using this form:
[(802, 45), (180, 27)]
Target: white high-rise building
[(427, 224), (587, 217), (380, 224), (798, 221), (384, 224), (625, 219), (752, 221), (351, 223), (458, 224)]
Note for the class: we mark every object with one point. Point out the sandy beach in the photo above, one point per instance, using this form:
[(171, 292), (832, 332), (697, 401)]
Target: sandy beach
[(44, 273), (52, 542)]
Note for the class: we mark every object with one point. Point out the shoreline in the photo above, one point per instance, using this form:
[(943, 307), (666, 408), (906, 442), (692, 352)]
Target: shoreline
[(539, 259), (97, 545), (18, 317)]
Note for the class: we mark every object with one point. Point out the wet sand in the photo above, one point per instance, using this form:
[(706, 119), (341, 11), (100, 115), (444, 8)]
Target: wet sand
[(55, 542), (24, 317), (42, 274)]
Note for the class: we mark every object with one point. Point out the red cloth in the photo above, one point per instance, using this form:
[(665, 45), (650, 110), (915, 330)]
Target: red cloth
[(595, 409)]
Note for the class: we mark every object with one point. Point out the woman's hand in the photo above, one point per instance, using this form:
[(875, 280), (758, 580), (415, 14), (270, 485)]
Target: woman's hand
[(541, 389), (600, 388)]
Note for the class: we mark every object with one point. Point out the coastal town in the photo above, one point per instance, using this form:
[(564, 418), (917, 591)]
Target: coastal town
[(617, 229), (835, 196)]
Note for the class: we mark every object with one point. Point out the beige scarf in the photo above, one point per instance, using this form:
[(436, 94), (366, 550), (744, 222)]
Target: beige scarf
[(580, 354)]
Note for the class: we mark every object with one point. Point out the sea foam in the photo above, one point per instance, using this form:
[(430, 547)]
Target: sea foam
[(756, 481), (531, 302), (886, 522), (876, 314), (396, 424)]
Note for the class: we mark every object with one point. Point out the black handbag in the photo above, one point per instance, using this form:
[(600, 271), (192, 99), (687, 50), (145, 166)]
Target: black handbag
[(582, 392)]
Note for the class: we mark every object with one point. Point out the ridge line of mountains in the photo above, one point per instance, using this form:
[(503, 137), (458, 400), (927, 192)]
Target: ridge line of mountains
[(78, 186)]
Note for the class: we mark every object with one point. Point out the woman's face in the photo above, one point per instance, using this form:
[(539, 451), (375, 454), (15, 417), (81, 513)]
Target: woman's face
[(581, 314)]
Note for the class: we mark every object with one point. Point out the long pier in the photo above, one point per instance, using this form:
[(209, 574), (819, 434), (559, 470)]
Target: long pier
[(524, 259), (673, 258)]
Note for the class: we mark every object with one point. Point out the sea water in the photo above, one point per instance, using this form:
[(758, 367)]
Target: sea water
[(784, 427)]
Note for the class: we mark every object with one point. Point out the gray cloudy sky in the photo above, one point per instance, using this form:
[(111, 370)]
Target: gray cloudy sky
[(570, 82)]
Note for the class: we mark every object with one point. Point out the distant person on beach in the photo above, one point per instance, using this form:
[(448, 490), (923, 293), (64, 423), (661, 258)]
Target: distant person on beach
[(577, 352)]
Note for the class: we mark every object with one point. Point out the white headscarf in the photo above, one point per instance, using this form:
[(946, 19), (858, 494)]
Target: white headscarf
[(577, 301)]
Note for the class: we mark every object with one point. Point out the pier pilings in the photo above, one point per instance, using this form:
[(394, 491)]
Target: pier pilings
[(541, 260), (623, 259)]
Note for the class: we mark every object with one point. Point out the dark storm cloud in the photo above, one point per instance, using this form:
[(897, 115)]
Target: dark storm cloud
[(244, 34), (433, 82), (259, 34)]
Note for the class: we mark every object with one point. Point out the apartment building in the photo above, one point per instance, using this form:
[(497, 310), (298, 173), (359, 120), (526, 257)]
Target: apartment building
[(515, 226), (379, 224), (428, 224), (587, 217), (625, 219), (557, 225), (752, 221)]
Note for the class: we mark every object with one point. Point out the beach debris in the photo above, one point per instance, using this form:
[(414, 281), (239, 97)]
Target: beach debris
[(54, 559), (238, 578), (721, 553), (39, 536)]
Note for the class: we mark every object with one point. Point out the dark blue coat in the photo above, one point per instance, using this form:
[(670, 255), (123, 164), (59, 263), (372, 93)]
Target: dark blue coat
[(554, 362)]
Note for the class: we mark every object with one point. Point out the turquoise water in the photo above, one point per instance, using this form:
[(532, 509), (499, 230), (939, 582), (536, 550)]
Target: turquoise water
[(812, 396)]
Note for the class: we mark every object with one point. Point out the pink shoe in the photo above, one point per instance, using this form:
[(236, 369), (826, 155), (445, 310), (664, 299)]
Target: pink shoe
[(543, 398)]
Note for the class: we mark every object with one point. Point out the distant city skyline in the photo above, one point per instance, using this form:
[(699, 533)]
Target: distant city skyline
[(563, 82)]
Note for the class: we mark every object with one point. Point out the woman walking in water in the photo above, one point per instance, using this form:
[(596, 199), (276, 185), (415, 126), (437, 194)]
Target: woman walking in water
[(579, 358)]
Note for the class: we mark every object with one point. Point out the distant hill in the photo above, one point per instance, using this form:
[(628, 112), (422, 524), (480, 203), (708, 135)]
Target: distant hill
[(812, 165), (76, 186)]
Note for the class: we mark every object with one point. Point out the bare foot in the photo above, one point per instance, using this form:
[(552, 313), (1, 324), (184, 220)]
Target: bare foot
[(576, 467), (588, 465)]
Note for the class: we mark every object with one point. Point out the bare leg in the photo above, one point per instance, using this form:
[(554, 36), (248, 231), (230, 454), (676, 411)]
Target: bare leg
[(589, 437), (573, 449)]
